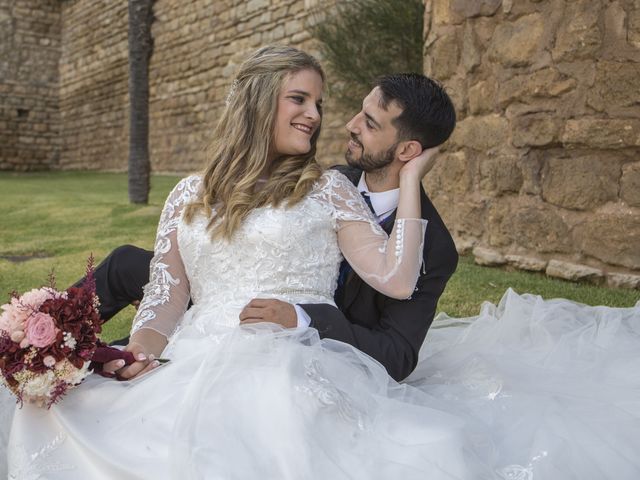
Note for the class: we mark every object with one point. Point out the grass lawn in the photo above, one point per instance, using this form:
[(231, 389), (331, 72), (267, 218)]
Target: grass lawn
[(56, 220)]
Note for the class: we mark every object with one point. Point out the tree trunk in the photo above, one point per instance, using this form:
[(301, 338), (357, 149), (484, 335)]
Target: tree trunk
[(140, 47)]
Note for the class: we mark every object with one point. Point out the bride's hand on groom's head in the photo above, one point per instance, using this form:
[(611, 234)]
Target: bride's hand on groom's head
[(418, 166), (269, 310)]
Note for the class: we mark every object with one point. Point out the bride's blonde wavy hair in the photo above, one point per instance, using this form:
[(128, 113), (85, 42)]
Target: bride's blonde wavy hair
[(242, 141)]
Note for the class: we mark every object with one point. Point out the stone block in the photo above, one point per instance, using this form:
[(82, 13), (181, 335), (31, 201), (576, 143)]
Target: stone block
[(441, 12), (253, 5), (457, 90), (488, 257), (500, 174), (482, 97), (611, 236), (464, 246), (623, 280), (535, 130), (617, 43), (578, 36), (537, 226), (615, 87), (499, 229), (292, 27), (573, 271), (581, 183), (462, 9), (516, 44), (544, 83), (483, 28), (483, 133), (470, 56), (452, 174), (601, 133), (470, 217), (633, 34), (523, 262), (444, 203), (630, 184), (443, 57)]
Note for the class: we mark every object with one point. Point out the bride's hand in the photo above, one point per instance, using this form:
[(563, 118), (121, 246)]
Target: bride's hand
[(144, 363), (145, 345), (418, 167)]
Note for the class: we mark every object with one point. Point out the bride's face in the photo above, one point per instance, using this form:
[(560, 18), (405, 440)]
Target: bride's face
[(299, 113)]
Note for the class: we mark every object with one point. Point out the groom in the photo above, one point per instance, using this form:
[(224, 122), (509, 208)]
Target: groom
[(400, 117), (403, 115)]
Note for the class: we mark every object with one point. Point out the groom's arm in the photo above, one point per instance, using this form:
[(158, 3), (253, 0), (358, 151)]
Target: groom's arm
[(395, 335)]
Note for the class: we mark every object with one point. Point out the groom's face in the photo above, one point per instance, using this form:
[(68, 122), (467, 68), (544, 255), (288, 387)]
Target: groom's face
[(374, 139)]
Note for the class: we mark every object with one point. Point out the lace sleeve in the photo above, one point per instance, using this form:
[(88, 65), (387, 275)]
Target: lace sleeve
[(390, 264), (167, 294)]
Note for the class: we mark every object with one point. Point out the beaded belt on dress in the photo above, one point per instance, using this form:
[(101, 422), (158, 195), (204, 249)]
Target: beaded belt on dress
[(297, 291)]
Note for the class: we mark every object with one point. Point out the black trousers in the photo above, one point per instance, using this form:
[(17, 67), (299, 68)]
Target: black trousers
[(120, 278)]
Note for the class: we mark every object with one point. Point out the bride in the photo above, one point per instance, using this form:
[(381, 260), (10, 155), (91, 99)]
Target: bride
[(527, 390)]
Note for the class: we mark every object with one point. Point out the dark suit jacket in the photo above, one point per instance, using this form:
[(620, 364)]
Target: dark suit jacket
[(389, 330)]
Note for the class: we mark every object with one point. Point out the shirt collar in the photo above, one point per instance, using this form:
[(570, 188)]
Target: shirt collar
[(383, 202)]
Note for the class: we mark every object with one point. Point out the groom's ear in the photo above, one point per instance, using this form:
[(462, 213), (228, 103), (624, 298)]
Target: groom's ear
[(408, 150)]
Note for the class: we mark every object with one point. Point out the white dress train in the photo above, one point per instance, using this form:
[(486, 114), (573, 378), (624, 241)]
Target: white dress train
[(529, 389)]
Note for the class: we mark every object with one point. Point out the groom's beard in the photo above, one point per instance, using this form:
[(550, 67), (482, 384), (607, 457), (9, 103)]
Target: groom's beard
[(370, 162)]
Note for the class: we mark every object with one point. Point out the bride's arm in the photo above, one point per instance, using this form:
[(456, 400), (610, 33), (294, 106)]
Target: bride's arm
[(390, 264), (167, 294)]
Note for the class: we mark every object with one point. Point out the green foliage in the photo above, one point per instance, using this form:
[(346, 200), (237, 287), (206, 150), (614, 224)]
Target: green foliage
[(363, 39), (57, 219)]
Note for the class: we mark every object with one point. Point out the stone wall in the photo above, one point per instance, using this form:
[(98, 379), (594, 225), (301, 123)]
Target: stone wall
[(29, 53), (93, 85), (197, 47), (543, 170)]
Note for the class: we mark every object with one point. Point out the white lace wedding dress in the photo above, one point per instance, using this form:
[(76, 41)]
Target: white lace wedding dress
[(527, 390)]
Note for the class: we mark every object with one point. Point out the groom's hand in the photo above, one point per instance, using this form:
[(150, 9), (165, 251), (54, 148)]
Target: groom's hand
[(269, 310)]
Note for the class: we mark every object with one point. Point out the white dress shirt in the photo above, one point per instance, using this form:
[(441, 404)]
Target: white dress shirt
[(384, 204)]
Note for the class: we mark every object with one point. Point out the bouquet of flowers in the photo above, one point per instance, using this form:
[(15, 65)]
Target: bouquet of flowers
[(47, 340)]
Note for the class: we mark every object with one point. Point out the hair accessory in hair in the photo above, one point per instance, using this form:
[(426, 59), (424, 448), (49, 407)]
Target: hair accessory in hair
[(232, 92)]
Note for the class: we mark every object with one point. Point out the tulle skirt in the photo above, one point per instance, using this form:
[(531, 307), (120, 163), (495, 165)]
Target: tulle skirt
[(529, 389)]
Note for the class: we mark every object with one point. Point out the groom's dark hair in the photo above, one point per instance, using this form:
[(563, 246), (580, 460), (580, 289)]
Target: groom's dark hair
[(427, 114)]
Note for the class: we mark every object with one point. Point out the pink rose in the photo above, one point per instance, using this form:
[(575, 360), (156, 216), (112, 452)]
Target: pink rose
[(41, 330)]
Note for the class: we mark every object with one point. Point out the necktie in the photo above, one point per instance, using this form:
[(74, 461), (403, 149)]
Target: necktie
[(367, 200)]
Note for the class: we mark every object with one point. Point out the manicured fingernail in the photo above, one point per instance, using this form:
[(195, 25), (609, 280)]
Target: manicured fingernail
[(120, 363), (155, 364), (142, 357), (152, 357)]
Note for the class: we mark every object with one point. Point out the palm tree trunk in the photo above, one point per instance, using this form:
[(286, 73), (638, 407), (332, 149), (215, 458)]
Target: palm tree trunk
[(140, 47)]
